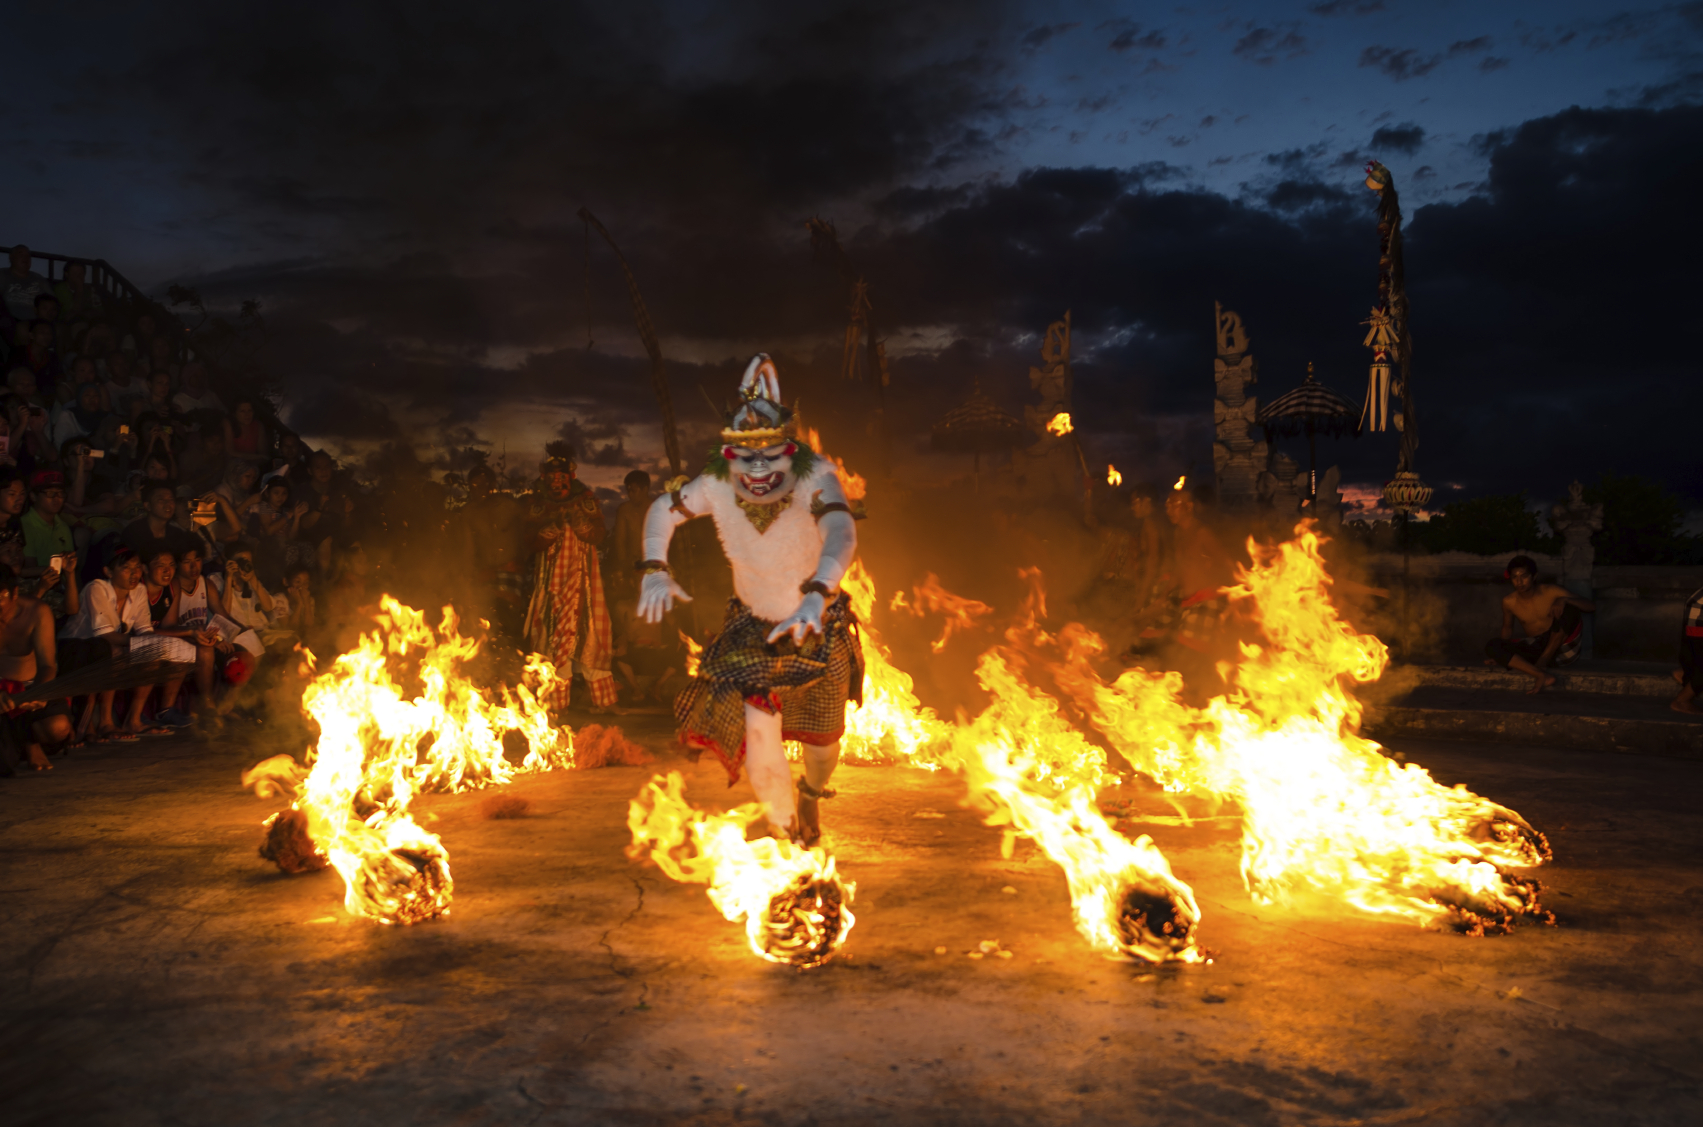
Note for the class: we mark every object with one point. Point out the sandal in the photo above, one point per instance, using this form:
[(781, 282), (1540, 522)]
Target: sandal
[(122, 736)]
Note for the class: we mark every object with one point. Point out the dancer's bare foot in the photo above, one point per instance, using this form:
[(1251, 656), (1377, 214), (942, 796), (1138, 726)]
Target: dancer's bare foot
[(1543, 682), (38, 758), (1686, 702)]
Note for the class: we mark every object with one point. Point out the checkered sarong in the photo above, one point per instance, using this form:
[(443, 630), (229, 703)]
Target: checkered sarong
[(808, 684), (568, 621)]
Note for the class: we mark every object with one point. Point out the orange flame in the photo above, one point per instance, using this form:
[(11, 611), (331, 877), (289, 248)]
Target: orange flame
[(1180, 481), (381, 745), (1323, 808), (795, 907), (854, 485), (931, 598), (1113, 477), (1059, 425), (694, 652)]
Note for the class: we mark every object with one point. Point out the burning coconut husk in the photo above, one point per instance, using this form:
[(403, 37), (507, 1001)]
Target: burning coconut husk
[(399, 717), (795, 907)]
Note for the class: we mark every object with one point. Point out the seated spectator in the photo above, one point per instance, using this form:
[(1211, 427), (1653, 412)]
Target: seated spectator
[(29, 656), (78, 301), (92, 499), (80, 373), (234, 499), (275, 526), (40, 355), (196, 395), (205, 460), (46, 534), (47, 312), (648, 655), (245, 434), (22, 383), (159, 358), (14, 455), (299, 619), (21, 286), (1552, 620), (155, 440), (291, 458), (126, 396), (198, 613), (112, 614), (82, 417), (247, 601), (1690, 671), (14, 499), (158, 529), (99, 343), (329, 519), (159, 401)]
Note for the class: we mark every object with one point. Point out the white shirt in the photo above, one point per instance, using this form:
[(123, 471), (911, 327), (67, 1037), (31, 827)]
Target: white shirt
[(99, 614)]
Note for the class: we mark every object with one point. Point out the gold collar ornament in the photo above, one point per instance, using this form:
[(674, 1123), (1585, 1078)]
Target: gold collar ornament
[(762, 516)]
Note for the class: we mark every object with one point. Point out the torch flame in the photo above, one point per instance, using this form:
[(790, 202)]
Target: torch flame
[(795, 907), (1180, 481), (380, 745), (1060, 425), (1113, 477)]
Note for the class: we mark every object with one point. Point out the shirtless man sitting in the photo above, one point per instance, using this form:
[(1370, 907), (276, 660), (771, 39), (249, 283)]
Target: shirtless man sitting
[(1553, 621), (29, 655)]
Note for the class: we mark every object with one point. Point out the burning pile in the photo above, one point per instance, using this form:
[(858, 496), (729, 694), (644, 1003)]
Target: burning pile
[(1323, 808), (795, 907), (382, 744)]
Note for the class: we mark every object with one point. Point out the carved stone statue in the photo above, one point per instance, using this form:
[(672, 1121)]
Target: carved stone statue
[(1238, 458), (1327, 506), (1575, 519)]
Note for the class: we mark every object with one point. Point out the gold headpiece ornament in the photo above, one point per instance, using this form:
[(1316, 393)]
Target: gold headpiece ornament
[(760, 419)]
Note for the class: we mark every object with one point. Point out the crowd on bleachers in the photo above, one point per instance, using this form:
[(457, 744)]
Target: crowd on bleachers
[(153, 515)]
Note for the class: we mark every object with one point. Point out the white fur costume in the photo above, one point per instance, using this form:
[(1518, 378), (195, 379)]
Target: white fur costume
[(813, 538)]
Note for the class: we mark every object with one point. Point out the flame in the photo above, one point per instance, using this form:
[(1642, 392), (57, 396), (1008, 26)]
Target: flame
[(1181, 479), (931, 598), (1323, 808), (1113, 477), (694, 652), (795, 907), (891, 724), (381, 745), (1059, 425), (853, 484)]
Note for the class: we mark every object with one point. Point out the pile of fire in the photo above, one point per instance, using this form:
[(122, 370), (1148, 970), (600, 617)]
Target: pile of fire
[(1323, 810)]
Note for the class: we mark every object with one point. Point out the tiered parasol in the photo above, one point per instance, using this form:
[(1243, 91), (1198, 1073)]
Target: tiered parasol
[(1311, 409), (978, 427)]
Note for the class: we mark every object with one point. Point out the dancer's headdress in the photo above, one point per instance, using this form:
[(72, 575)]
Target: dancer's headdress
[(760, 419)]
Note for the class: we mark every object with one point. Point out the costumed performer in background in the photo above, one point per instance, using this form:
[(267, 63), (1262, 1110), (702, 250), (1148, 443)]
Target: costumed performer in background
[(567, 620), (788, 656)]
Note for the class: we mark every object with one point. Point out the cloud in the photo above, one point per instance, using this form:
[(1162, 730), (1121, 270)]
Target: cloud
[(1402, 64), (1038, 37), (1492, 63), (1263, 45), (1130, 37), (1470, 46), (1405, 138), (1346, 7)]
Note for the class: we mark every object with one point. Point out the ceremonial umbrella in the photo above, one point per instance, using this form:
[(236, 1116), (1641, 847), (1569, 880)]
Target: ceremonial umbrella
[(1310, 409), (978, 427)]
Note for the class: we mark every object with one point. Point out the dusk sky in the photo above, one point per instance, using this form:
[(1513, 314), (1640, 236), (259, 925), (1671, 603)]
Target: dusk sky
[(397, 184)]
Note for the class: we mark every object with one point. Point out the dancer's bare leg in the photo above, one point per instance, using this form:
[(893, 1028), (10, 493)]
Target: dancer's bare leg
[(766, 765)]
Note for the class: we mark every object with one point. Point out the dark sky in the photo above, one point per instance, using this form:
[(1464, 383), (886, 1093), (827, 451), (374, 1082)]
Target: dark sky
[(398, 182)]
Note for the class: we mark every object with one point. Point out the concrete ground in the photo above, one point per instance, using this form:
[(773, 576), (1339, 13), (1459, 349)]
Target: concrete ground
[(156, 971)]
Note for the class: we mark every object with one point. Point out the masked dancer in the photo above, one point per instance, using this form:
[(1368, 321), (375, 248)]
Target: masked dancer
[(788, 657)]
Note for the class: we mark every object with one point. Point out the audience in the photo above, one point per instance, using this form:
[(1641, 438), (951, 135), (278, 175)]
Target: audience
[(21, 287)]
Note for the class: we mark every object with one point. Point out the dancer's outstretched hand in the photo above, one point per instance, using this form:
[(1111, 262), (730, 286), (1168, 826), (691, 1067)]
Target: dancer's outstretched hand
[(657, 595), (804, 621)]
